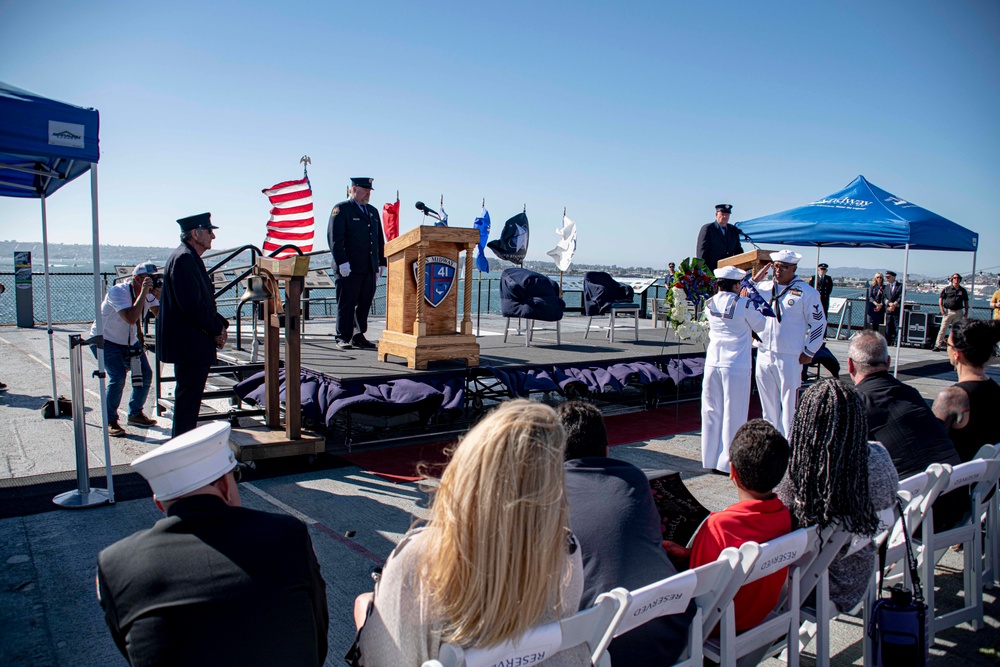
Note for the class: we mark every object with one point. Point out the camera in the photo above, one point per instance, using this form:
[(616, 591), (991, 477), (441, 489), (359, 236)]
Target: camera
[(157, 281)]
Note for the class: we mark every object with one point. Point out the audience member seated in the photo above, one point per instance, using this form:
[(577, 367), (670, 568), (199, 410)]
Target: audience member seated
[(758, 457), (496, 556), (614, 518), (970, 346), (898, 416), (835, 476)]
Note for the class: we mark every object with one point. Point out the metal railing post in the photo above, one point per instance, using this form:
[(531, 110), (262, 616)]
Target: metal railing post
[(83, 495)]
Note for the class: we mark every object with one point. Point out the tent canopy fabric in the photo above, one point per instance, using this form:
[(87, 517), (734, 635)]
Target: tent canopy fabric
[(861, 215), (53, 141)]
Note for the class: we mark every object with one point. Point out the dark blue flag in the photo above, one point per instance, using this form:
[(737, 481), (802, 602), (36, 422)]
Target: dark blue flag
[(482, 223)]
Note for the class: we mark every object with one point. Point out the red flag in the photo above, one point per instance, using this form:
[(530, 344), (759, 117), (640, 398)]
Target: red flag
[(292, 221), (390, 220)]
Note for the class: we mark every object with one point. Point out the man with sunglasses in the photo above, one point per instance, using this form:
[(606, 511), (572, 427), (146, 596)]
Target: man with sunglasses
[(213, 582), (953, 300), (790, 339)]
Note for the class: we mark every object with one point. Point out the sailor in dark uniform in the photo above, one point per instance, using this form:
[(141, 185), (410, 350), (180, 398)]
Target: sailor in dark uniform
[(825, 287), (718, 240), (358, 249)]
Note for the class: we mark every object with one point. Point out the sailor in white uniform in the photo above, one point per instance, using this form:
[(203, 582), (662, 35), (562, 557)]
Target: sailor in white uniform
[(725, 389), (790, 339)]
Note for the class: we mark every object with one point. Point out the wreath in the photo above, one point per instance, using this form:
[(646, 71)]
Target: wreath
[(687, 290)]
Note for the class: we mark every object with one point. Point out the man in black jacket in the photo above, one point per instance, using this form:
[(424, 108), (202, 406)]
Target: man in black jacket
[(189, 328), (824, 286), (718, 240), (358, 248), (893, 305), (212, 583)]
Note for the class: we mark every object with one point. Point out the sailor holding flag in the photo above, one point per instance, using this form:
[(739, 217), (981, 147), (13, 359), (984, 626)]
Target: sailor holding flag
[(790, 339), (725, 390)]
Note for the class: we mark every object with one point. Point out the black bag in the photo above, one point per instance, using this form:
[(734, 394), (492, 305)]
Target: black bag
[(680, 512), (353, 655), (898, 625)]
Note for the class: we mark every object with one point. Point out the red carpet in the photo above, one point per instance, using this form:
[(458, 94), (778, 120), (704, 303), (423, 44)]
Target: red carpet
[(399, 464)]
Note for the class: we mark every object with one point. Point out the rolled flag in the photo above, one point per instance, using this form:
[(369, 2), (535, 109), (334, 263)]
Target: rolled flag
[(390, 220), (291, 220), (512, 245), (756, 298), (443, 222), (566, 248), (482, 223)]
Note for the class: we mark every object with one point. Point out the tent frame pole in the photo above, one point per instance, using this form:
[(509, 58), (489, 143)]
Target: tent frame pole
[(48, 307), (972, 287), (99, 328), (902, 312)]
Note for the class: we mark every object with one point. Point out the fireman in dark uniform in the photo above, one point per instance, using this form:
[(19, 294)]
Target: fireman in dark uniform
[(358, 249), (825, 286)]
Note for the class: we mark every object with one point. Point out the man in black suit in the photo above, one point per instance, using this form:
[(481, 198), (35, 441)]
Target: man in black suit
[(893, 298), (358, 249), (189, 328), (212, 583), (718, 240)]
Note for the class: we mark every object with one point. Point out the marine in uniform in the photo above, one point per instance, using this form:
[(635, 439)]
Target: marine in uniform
[(725, 390), (189, 328), (790, 339), (718, 240), (358, 248), (212, 583), (825, 287)]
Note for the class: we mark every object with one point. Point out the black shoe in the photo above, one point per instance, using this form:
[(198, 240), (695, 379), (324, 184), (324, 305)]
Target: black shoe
[(344, 345), (937, 349), (363, 343)]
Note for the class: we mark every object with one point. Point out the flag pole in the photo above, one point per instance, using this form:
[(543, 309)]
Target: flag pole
[(560, 270), (479, 291), (305, 161)]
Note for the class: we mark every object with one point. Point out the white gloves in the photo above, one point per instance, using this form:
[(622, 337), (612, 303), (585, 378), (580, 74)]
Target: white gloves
[(345, 269), (382, 270)]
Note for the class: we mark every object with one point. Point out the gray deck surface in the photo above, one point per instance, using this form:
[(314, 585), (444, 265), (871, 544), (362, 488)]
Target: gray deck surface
[(49, 614)]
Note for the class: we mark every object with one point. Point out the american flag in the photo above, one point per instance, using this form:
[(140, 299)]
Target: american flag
[(292, 219)]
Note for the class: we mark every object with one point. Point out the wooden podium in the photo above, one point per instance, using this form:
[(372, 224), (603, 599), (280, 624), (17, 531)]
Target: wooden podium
[(749, 261), (415, 328)]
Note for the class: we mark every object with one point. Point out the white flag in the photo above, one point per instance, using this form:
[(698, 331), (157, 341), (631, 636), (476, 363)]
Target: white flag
[(566, 248)]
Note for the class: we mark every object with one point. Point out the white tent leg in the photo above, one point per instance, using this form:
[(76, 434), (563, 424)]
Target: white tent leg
[(48, 308), (99, 328), (972, 287), (902, 313)]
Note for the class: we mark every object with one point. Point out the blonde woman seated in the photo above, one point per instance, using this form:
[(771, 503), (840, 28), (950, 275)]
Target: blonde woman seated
[(496, 556)]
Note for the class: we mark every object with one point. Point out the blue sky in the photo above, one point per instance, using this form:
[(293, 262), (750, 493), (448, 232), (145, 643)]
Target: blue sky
[(637, 118)]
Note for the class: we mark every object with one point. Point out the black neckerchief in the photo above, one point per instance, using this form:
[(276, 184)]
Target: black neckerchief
[(776, 299)]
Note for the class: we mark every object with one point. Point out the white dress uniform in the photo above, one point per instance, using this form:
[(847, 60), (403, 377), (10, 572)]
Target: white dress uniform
[(798, 327), (725, 389)]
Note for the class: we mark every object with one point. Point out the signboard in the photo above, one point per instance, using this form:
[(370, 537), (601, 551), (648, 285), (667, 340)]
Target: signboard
[(837, 304), (24, 302)]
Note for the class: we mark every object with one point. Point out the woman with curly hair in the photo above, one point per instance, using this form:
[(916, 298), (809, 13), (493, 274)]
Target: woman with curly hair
[(835, 476), (970, 346), (496, 556)]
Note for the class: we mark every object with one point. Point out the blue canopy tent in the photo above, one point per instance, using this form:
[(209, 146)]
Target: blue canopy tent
[(863, 215), (45, 144)]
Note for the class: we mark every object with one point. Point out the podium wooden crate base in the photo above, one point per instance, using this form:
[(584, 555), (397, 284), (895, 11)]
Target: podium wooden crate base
[(260, 442), (418, 350)]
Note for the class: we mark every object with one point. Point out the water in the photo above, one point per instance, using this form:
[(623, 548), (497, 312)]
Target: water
[(73, 298)]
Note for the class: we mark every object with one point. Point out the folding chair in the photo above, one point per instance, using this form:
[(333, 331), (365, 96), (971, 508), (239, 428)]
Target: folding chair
[(593, 626), (991, 526), (532, 296), (979, 476), (793, 551), (713, 580), (603, 295)]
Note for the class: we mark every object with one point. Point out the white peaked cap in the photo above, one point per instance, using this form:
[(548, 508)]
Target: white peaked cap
[(729, 273), (187, 462), (786, 256)]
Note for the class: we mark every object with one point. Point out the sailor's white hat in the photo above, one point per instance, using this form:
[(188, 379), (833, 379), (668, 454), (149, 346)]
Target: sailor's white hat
[(786, 256), (187, 462), (730, 273)]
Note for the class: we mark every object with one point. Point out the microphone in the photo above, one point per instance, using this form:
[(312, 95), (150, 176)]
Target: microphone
[(747, 237), (427, 211)]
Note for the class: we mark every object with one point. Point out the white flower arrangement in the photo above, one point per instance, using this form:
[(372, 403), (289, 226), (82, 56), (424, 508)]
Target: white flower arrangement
[(693, 331)]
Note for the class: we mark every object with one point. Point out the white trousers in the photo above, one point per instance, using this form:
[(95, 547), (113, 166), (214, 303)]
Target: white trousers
[(725, 402), (779, 377)]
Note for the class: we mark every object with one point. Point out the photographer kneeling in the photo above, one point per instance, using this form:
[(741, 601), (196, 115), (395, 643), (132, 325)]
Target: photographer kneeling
[(122, 309)]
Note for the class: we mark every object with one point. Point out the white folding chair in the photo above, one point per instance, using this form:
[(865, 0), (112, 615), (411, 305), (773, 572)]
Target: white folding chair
[(918, 493), (979, 476), (713, 580), (991, 525), (794, 551), (593, 626)]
